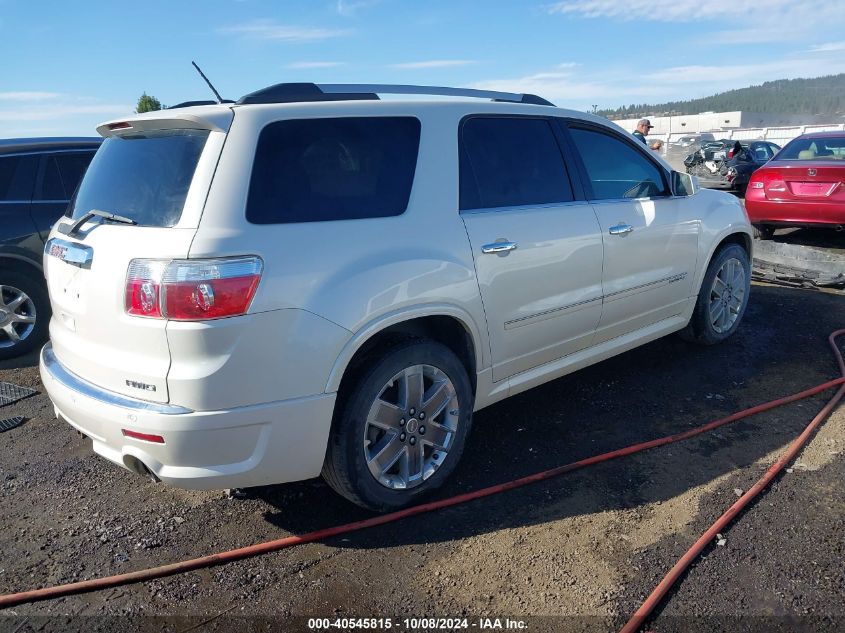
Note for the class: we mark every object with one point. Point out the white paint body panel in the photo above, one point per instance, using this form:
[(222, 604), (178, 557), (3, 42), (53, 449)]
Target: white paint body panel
[(537, 309), (648, 272), (261, 388)]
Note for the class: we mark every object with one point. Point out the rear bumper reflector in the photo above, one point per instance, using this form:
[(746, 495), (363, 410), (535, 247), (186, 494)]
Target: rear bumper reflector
[(147, 437)]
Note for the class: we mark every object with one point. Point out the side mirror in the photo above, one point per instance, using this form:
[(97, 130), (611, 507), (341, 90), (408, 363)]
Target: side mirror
[(683, 184)]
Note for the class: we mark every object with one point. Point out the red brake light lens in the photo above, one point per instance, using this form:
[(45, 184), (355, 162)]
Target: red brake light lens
[(192, 290), (213, 299)]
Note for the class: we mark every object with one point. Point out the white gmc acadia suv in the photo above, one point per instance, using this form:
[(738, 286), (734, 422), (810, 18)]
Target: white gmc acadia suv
[(314, 280)]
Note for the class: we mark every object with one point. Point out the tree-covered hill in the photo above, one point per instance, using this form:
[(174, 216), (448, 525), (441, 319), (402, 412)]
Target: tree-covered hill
[(820, 95)]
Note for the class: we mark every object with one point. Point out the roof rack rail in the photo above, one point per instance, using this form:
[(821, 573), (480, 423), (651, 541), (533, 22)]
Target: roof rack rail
[(189, 104), (305, 92)]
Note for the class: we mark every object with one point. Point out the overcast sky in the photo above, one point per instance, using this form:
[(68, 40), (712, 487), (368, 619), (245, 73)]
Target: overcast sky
[(66, 66)]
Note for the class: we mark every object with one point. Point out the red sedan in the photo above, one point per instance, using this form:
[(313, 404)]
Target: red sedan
[(803, 185)]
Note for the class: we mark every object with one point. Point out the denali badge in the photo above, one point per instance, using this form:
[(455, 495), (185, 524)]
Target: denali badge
[(811, 172), (140, 385)]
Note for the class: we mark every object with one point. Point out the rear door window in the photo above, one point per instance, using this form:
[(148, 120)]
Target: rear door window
[(50, 185), (616, 169), (316, 170), (144, 176), (60, 174), (762, 152), (510, 161), (17, 178)]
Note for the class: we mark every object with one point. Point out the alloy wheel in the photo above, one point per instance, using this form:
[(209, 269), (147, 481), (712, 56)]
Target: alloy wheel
[(411, 426), (17, 316), (727, 295)]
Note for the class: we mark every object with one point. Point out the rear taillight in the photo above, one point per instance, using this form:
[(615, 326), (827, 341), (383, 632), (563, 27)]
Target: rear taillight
[(192, 289), (143, 287)]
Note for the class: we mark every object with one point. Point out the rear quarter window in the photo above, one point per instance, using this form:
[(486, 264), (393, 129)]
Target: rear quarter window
[(316, 170)]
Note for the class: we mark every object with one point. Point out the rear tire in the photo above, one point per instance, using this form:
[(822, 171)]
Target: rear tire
[(401, 429), (763, 231), (722, 299), (24, 313)]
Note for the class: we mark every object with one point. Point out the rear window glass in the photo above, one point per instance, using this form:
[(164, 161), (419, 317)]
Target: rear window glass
[(317, 170), (814, 149), (144, 176)]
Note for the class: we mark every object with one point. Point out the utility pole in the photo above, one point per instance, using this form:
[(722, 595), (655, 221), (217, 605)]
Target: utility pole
[(595, 107)]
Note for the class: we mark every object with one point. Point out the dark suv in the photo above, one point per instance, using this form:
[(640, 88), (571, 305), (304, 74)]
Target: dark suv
[(37, 179)]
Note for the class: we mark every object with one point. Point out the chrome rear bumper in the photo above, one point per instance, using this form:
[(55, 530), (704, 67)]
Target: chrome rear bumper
[(71, 381)]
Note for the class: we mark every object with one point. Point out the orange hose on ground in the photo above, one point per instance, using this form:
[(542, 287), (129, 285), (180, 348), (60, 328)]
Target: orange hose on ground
[(722, 522), (220, 558)]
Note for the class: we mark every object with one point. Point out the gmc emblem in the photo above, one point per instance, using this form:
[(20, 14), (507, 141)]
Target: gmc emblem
[(58, 251)]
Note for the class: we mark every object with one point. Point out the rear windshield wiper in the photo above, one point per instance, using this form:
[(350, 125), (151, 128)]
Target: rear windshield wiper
[(73, 229)]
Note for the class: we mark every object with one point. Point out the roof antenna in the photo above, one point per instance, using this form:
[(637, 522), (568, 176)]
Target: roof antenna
[(213, 89)]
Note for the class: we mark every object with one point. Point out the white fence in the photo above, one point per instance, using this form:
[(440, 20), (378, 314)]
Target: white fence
[(779, 135)]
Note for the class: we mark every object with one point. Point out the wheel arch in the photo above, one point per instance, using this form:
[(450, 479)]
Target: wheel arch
[(739, 235), (21, 264), (445, 324)]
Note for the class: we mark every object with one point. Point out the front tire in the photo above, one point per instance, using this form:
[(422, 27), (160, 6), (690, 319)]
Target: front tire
[(723, 297), (401, 429)]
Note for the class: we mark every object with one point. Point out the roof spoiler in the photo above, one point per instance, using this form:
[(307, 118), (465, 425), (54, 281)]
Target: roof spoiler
[(217, 120)]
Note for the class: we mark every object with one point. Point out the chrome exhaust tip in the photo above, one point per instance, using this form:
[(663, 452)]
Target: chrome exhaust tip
[(137, 466)]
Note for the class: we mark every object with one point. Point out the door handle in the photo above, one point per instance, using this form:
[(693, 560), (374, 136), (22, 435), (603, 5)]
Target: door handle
[(498, 248), (621, 229)]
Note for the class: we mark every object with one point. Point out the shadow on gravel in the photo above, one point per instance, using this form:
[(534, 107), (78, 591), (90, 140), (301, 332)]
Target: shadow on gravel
[(662, 388), (818, 238), (28, 360)]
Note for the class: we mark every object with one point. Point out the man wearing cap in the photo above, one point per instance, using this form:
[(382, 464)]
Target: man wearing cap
[(643, 128)]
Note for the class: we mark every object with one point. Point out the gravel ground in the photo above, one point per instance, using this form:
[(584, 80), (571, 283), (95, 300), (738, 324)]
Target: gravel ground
[(576, 553)]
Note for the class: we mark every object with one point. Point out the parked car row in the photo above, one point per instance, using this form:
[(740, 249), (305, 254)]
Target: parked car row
[(800, 185), (691, 140), (726, 165), (313, 280)]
